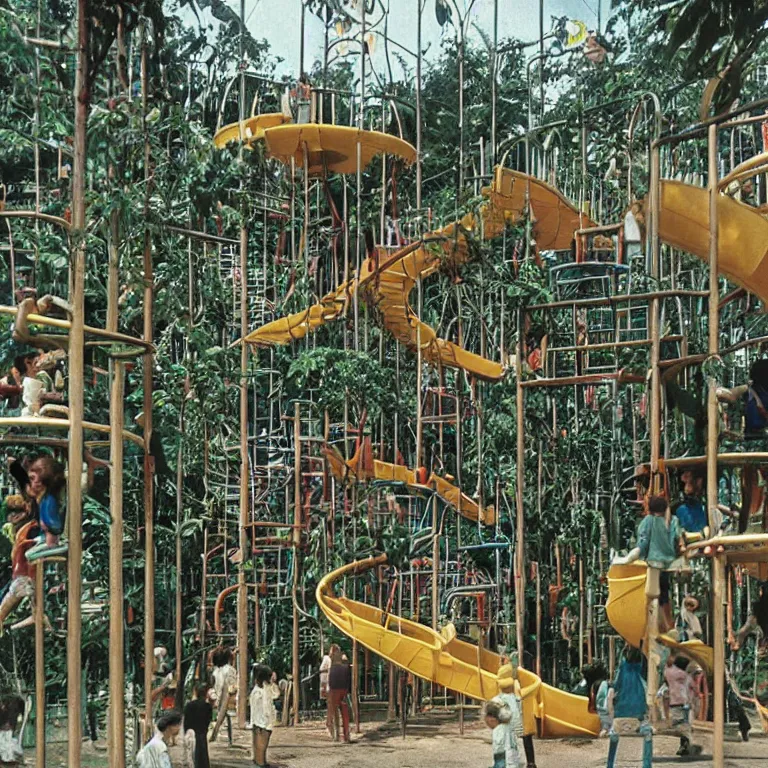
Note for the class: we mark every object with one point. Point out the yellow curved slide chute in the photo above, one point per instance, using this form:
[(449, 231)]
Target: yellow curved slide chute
[(742, 233), (445, 660), (327, 147), (386, 282), (626, 611)]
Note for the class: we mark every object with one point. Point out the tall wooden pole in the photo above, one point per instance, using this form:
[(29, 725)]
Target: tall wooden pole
[(116, 735), (520, 480), (652, 608), (39, 666), (242, 591), (149, 460), (76, 364), (713, 428), (295, 667), (418, 105), (435, 566)]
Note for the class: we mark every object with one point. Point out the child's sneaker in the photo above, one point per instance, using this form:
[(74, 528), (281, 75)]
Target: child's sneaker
[(42, 550)]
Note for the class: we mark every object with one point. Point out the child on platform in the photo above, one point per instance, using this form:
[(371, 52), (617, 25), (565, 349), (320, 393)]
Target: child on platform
[(46, 481)]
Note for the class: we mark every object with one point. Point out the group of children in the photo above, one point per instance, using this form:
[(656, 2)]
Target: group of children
[(198, 716), (621, 705)]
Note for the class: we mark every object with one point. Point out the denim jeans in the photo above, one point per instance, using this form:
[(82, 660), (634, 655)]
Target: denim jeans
[(646, 732)]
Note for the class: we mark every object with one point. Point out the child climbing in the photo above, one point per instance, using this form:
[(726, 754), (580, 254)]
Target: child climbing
[(263, 714), (24, 532), (688, 622), (502, 716), (658, 543), (630, 708), (681, 687), (46, 481)]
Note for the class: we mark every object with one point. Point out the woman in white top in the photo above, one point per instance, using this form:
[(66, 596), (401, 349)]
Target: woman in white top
[(225, 688), (263, 714)]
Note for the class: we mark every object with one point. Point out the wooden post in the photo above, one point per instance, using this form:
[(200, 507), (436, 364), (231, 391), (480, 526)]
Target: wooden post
[(655, 422), (116, 747), (435, 566), (538, 620), (40, 666), (295, 668), (520, 480), (713, 425), (242, 591), (581, 611), (116, 734), (179, 607), (149, 460), (76, 362), (356, 684)]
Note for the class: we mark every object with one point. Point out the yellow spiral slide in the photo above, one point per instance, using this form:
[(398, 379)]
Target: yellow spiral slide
[(441, 658)]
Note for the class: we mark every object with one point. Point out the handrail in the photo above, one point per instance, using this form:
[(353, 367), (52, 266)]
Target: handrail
[(46, 217), (55, 322), (42, 422)]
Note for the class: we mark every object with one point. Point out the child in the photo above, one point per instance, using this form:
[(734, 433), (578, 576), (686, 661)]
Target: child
[(658, 543), (604, 705), (502, 716), (680, 688), (154, 754), (263, 714), (11, 753), (690, 626), (46, 481), (225, 686), (629, 707)]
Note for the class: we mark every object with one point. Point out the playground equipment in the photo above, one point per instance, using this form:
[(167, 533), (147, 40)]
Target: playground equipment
[(441, 658)]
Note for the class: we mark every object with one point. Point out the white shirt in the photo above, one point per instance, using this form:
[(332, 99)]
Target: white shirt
[(263, 714), (224, 679), (325, 666), (154, 754)]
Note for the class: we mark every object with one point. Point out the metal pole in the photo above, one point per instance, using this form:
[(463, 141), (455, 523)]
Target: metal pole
[(40, 666), (76, 364), (520, 480), (419, 8), (435, 566), (713, 427), (242, 591), (149, 461), (494, 79), (116, 735), (295, 669)]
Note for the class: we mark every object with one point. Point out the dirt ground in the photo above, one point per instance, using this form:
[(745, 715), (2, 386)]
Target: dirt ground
[(433, 741)]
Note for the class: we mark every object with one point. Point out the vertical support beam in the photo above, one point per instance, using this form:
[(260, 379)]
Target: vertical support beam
[(713, 427), (356, 684), (520, 480), (116, 736), (40, 666), (295, 668), (149, 460), (494, 80), (242, 587), (76, 379), (538, 620), (419, 8), (652, 624), (435, 566)]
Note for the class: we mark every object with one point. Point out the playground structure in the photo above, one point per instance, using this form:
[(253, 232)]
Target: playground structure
[(290, 470)]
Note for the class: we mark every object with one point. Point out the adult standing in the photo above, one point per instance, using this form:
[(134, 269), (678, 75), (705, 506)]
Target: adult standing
[(339, 686), (197, 718)]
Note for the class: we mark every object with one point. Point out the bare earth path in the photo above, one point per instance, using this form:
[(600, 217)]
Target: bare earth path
[(433, 741)]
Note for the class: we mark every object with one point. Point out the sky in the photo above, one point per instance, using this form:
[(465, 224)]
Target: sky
[(279, 22)]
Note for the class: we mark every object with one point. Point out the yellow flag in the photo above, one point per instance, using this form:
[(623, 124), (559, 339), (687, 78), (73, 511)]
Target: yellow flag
[(577, 33)]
